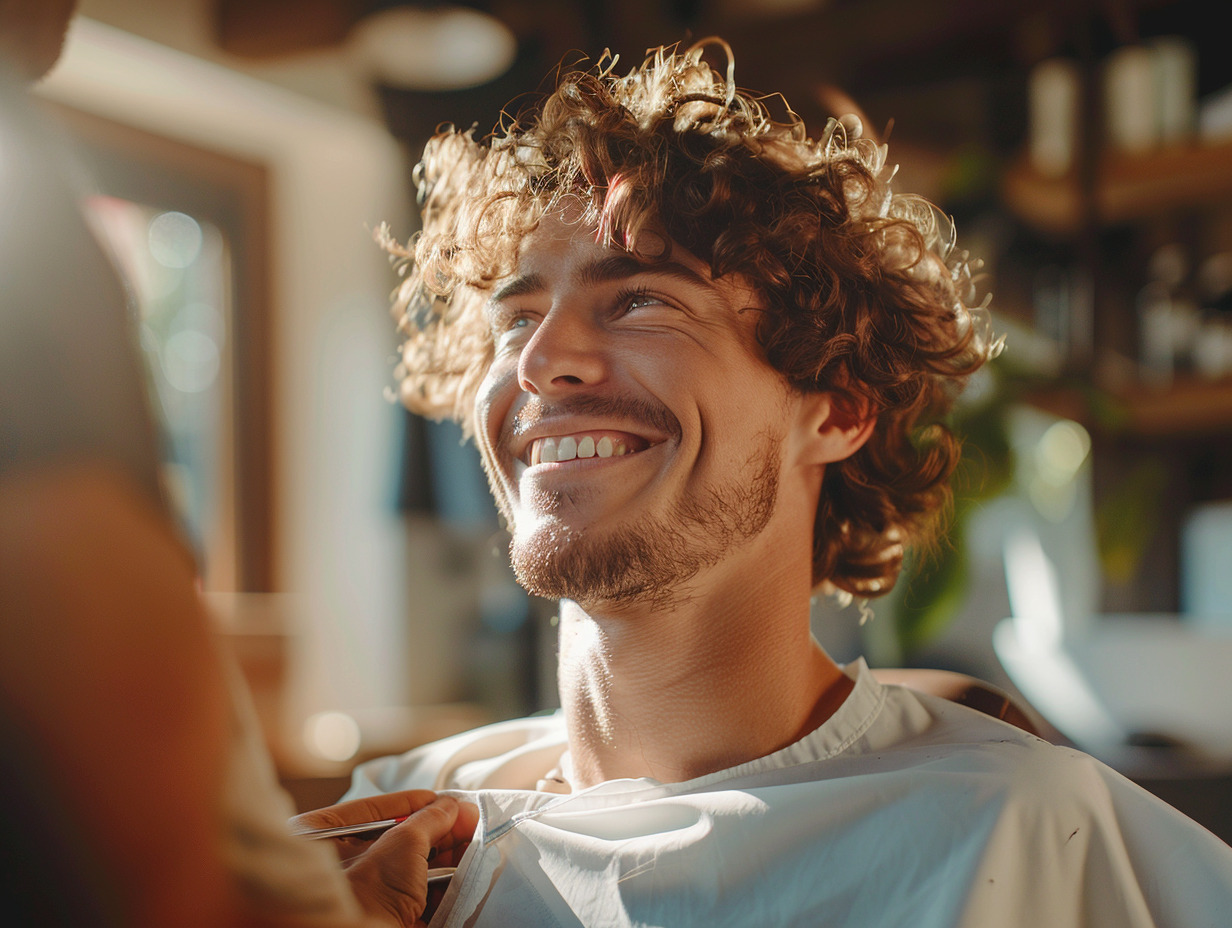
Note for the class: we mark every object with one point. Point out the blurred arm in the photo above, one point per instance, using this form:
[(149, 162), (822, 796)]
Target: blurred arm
[(107, 661)]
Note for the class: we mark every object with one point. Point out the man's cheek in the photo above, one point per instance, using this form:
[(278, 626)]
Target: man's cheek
[(496, 480)]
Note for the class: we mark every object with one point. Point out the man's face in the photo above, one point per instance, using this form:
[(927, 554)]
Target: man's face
[(631, 429)]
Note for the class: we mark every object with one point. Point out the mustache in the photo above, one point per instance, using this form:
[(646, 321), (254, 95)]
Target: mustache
[(653, 415)]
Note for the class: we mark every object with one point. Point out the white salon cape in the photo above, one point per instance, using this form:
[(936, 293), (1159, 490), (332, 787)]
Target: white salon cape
[(901, 810)]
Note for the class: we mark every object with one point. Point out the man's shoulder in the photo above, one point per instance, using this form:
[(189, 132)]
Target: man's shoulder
[(987, 769), (958, 739), (919, 747)]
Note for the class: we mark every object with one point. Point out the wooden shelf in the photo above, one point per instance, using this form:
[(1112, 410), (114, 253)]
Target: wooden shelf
[(1187, 407), (1129, 187)]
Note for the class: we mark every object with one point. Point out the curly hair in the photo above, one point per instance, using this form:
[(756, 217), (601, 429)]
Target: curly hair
[(864, 294)]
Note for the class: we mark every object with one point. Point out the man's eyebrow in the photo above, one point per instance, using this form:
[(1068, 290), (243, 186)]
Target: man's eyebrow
[(620, 267), (604, 270), (519, 286)]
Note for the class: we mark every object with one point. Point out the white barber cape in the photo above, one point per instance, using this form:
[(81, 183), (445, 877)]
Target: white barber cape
[(901, 810)]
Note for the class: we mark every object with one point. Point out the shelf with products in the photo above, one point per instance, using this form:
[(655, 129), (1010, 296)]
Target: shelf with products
[(1130, 276), (1141, 264), (1127, 188), (1186, 407), (1160, 421), (1124, 185)]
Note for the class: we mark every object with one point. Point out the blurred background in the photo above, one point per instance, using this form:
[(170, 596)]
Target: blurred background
[(240, 153)]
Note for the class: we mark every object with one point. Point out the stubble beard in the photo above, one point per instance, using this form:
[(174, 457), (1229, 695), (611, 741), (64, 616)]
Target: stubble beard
[(654, 558)]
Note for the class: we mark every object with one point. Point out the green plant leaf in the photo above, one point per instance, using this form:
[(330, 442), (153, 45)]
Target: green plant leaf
[(936, 589)]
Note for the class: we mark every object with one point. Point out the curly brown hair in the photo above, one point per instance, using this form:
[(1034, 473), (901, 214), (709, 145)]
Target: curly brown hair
[(865, 296)]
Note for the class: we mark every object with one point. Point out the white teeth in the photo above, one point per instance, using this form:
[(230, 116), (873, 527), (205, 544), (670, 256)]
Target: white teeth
[(567, 448)]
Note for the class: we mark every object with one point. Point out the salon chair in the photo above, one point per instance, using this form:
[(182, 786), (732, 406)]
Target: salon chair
[(963, 689)]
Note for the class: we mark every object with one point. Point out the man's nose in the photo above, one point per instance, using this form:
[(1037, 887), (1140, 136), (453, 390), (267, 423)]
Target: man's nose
[(566, 351)]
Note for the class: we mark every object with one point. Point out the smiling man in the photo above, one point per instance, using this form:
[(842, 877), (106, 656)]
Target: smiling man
[(632, 433), (706, 359)]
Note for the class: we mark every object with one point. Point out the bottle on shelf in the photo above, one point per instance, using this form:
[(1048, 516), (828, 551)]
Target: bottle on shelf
[(1168, 316), (1212, 349)]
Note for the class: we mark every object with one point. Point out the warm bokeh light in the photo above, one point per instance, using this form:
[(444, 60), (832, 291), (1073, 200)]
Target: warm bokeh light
[(332, 735)]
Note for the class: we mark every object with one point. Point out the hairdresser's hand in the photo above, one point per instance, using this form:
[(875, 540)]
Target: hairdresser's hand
[(389, 872)]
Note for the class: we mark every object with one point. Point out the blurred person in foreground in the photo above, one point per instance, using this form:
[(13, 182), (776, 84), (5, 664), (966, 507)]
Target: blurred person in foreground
[(707, 360), (136, 791)]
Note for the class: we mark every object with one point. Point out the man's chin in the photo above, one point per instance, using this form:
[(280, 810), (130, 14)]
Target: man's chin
[(556, 563), (634, 564), (649, 558)]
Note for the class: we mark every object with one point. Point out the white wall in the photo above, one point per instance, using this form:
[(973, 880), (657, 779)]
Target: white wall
[(188, 26), (341, 548)]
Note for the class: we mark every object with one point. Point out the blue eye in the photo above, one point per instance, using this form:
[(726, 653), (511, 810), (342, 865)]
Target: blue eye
[(502, 327), (513, 332)]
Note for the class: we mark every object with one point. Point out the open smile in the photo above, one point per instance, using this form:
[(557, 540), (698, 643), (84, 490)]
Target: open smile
[(560, 448)]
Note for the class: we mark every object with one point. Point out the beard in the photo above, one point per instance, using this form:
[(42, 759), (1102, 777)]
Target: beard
[(654, 558)]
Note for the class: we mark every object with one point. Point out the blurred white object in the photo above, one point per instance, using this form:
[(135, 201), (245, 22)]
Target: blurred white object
[(1121, 683), (437, 47), (1129, 99), (1053, 99), (1150, 94), (1176, 88), (1206, 566), (1118, 686), (1056, 515), (1215, 116), (1212, 349)]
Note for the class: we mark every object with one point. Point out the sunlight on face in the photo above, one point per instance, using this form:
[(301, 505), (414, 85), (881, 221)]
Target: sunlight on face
[(630, 427)]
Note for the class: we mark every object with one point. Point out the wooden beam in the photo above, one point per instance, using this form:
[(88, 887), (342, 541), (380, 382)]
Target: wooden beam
[(270, 28)]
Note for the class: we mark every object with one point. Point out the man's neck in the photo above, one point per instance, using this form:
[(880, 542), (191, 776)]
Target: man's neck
[(678, 691)]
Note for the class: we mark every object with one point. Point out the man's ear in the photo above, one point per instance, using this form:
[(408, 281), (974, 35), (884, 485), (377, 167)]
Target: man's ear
[(838, 426)]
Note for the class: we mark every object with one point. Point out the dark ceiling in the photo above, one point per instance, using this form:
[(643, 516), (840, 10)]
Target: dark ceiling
[(939, 67)]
